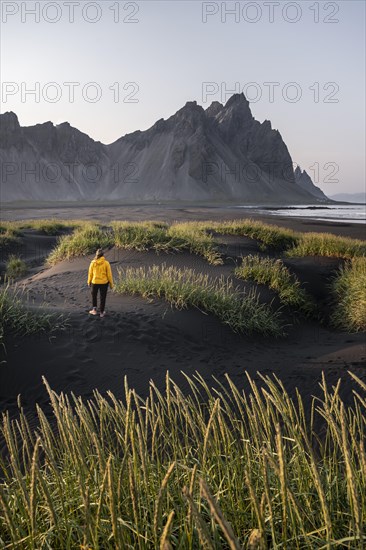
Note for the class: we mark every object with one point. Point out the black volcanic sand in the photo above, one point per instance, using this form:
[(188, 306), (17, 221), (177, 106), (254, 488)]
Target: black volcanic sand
[(142, 340)]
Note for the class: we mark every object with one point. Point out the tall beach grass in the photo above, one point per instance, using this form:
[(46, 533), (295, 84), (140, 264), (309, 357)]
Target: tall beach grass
[(16, 317), (83, 241), (185, 288), (139, 236), (9, 236), (162, 237), (15, 267), (197, 238), (216, 468), (276, 275), (270, 236), (326, 244), (349, 289)]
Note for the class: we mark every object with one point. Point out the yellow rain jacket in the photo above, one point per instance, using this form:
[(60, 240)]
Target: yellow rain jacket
[(100, 272)]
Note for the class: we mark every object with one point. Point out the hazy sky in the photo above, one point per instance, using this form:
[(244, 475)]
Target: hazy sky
[(112, 67)]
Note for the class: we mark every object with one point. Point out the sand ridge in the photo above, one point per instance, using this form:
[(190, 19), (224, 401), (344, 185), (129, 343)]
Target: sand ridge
[(141, 339)]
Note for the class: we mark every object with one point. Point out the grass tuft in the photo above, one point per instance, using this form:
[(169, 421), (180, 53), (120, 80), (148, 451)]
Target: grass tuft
[(141, 235), (326, 244), (185, 288), (349, 289), (270, 236), (9, 236), (197, 240), (85, 240), (50, 227), (15, 267), (276, 276), (15, 317), (142, 473)]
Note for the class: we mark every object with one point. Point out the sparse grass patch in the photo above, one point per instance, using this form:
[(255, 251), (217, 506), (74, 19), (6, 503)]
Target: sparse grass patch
[(160, 237), (51, 227), (185, 288), (15, 267), (326, 244), (349, 288), (141, 236), (211, 469), (17, 318), (270, 236), (276, 276), (196, 239), (9, 235), (85, 240)]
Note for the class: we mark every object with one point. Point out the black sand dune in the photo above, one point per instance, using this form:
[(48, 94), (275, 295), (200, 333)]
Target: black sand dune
[(141, 340)]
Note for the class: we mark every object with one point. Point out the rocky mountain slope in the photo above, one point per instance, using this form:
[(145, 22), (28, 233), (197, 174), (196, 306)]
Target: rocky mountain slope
[(218, 154)]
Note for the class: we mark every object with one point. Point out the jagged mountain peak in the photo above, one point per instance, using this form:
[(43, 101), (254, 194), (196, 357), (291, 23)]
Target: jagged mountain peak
[(9, 119), (213, 109), (298, 170), (195, 154), (64, 125), (303, 180), (235, 113), (237, 100)]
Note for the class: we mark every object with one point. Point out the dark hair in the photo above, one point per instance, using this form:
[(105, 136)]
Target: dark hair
[(99, 253)]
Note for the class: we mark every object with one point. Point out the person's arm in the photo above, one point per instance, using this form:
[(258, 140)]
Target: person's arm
[(90, 274), (109, 275)]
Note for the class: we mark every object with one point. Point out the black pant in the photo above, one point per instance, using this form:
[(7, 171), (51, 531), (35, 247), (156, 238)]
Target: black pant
[(103, 295)]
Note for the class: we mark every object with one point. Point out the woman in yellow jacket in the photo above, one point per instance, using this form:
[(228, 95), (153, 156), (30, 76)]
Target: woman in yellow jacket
[(99, 277)]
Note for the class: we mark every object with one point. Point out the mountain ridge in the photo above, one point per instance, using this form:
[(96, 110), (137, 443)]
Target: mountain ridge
[(221, 153)]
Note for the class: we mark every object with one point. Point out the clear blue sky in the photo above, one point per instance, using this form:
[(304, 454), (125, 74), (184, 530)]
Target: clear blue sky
[(169, 52)]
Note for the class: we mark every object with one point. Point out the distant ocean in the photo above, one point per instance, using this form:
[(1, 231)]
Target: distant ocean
[(333, 213)]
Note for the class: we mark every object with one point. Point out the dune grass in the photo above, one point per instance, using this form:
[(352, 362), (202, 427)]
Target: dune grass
[(276, 275), (269, 236), (185, 288), (349, 289), (197, 240), (291, 242), (141, 235), (213, 469), (194, 236), (51, 226), (148, 235), (83, 241), (17, 318), (161, 237), (15, 267), (9, 236), (326, 244)]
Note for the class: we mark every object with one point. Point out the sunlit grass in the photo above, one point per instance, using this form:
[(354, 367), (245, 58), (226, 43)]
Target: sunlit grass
[(197, 240), (83, 241), (51, 226), (269, 236), (215, 468), (349, 288), (326, 244), (276, 275), (141, 235), (186, 288)]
